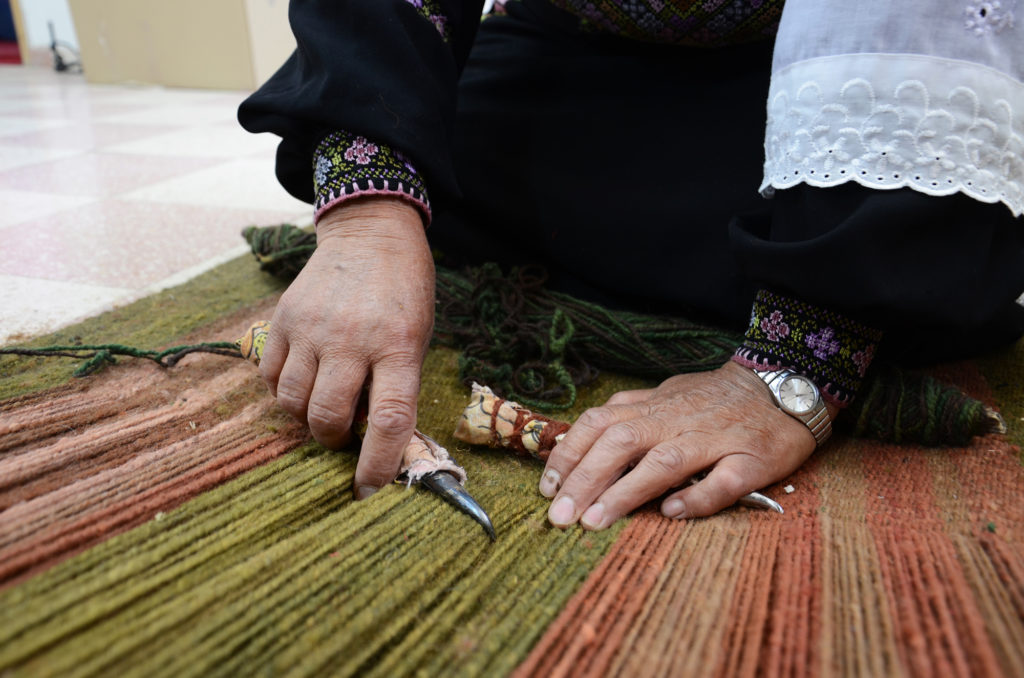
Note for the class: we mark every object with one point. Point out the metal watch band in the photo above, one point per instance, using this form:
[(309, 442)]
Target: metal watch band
[(817, 420)]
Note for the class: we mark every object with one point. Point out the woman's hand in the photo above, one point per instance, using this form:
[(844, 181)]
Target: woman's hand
[(360, 312), (724, 421)]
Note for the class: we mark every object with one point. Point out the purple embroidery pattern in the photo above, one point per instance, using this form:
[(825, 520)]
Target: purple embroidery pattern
[(824, 343), (832, 350), (401, 157), (774, 327), (361, 151)]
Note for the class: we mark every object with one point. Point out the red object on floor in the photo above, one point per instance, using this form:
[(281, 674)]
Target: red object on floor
[(9, 53)]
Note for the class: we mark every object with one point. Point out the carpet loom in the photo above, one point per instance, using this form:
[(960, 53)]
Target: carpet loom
[(176, 522)]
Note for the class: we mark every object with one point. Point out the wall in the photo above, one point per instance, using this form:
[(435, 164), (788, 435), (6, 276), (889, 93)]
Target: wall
[(270, 37), (35, 15), (221, 44)]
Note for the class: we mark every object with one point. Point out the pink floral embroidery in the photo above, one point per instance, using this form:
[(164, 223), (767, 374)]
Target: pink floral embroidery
[(824, 343), (774, 327), (863, 358), (360, 151)]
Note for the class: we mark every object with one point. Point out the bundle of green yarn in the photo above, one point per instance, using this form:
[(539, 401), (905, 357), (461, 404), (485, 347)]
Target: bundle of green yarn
[(536, 346)]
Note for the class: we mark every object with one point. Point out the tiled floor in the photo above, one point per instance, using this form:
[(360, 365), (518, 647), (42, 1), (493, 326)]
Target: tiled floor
[(109, 193)]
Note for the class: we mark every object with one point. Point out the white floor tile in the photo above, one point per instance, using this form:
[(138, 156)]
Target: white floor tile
[(50, 119), (215, 141), (32, 307), (243, 184), (21, 206), (22, 156), (174, 114), (10, 124)]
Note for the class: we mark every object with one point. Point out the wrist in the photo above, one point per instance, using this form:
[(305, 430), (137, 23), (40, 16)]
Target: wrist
[(794, 395), (371, 216)]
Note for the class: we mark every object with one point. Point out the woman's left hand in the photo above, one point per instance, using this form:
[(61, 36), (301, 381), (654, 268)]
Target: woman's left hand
[(724, 421)]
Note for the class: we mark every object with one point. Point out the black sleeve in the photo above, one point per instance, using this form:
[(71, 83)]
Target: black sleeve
[(385, 69), (940, 276)]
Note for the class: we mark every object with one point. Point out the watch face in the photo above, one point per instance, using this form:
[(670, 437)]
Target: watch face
[(798, 394)]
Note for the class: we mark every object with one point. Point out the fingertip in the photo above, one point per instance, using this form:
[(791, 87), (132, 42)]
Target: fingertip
[(595, 518), (722, 488), (550, 483), (362, 492), (374, 471), (562, 512), (674, 507)]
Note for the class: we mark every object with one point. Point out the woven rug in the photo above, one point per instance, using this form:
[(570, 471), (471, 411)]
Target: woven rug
[(176, 522)]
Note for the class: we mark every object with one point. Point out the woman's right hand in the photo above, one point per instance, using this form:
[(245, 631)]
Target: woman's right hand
[(359, 313)]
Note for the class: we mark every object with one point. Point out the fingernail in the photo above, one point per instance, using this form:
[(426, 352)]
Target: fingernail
[(673, 508), (593, 517), (365, 491), (549, 483), (562, 513)]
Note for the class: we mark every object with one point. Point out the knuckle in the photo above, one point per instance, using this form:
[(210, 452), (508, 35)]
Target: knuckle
[(584, 478), (270, 379), (625, 435), (291, 399), (699, 504), (401, 356), (391, 416), (598, 418), (618, 398), (324, 419), (666, 459), (733, 485)]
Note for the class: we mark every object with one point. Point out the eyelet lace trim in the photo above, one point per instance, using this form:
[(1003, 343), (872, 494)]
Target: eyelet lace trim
[(939, 126)]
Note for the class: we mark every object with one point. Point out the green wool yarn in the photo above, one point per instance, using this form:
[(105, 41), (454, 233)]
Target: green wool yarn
[(97, 356), (537, 346)]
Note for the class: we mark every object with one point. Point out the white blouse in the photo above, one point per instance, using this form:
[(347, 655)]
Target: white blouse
[(925, 94)]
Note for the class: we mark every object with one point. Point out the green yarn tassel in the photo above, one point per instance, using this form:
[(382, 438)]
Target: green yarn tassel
[(918, 409), (281, 250)]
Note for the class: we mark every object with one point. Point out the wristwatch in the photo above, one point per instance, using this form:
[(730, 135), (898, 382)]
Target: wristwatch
[(799, 397)]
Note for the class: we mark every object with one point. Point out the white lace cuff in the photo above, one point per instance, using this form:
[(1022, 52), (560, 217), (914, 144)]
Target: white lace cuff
[(936, 125)]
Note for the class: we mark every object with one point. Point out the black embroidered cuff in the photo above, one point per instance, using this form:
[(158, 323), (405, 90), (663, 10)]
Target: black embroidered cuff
[(833, 351), (347, 166)]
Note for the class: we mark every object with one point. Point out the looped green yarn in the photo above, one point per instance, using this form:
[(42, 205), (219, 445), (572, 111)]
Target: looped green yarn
[(102, 358)]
